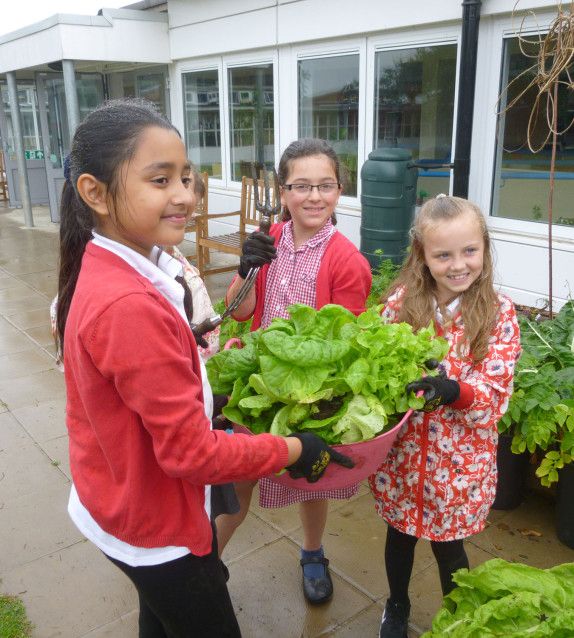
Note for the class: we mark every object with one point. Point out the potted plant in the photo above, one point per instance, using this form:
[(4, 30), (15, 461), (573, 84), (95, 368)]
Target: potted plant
[(540, 414)]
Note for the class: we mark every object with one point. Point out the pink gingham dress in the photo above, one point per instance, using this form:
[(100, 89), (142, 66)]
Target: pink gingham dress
[(292, 278)]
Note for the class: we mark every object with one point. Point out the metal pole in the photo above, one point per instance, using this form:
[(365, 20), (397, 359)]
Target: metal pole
[(466, 85), (71, 96), (19, 148)]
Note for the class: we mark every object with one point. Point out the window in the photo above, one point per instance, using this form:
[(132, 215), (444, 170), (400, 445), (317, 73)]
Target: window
[(29, 119), (202, 120), (414, 106), (329, 108), (251, 119), (521, 177), (151, 87), (90, 91)]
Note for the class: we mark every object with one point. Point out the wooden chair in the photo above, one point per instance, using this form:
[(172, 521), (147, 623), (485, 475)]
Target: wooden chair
[(197, 221), (248, 218)]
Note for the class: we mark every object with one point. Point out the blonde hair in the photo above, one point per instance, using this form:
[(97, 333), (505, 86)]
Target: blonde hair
[(479, 303)]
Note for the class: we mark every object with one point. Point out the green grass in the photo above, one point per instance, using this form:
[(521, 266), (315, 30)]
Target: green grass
[(13, 620)]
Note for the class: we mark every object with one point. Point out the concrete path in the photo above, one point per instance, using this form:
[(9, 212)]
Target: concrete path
[(72, 591)]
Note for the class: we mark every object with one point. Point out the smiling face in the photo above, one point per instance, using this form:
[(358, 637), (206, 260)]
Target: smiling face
[(310, 211), (454, 255), (156, 196)]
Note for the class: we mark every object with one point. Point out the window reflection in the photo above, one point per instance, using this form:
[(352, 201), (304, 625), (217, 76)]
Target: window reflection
[(329, 108), (202, 120), (414, 106), (29, 120), (251, 118), (521, 177)]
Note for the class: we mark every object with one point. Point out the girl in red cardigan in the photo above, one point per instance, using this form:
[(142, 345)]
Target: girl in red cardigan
[(142, 452), (305, 260), (439, 479)]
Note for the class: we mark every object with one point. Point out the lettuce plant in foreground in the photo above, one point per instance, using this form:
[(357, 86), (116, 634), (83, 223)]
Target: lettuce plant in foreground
[(341, 376), (509, 600)]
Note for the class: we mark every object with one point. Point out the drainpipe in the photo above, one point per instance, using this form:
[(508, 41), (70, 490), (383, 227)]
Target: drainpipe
[(23, 182), (466, 84)]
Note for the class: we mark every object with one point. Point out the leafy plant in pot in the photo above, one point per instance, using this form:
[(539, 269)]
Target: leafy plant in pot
[(540, 414)]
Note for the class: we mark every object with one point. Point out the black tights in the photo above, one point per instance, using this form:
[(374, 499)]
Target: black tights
[(400, 555)]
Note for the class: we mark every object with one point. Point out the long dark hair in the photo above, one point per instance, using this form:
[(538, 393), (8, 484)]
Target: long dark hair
[(306, 147), (106, 139)]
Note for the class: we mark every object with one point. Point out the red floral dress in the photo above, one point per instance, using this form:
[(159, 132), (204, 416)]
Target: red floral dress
[(439, 479)]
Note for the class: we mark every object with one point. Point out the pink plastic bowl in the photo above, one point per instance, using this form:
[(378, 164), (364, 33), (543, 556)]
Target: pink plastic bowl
[(368, 455)]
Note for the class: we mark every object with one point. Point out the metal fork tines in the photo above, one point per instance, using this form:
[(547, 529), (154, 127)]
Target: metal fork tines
[(267, 212)]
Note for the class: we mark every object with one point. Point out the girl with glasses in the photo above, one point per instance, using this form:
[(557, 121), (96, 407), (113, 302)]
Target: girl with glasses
[(304, 260)]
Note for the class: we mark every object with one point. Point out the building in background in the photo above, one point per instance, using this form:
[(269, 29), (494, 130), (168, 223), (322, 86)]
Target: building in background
[(242, 78)]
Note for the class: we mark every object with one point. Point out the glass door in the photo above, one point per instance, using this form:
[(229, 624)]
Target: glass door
[(33, 144), (55, 129)]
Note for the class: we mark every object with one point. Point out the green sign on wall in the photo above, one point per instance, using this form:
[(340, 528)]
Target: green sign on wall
[(35, 154)]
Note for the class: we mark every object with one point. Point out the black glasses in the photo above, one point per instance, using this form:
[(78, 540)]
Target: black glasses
[(326, 189)]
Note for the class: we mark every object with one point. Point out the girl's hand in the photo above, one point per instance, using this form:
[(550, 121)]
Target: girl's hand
[(258, 249), (437, 391), (315, 457)]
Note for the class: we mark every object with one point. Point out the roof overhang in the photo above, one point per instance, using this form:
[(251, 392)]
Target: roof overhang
[(117, 39)]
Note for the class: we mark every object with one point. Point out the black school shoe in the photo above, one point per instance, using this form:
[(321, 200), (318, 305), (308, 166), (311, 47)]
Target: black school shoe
[(317, 590), (395, 621)]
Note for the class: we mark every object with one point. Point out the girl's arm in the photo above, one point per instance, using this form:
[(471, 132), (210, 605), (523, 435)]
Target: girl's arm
[(258, 250), (351, 282), (246, 309), (139, 345), (488, 384)]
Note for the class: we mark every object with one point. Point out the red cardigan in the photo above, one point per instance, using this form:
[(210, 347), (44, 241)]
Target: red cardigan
[(141, 448), (344, 277)]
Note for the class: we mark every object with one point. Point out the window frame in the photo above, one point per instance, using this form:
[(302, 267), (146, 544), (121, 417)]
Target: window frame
[(413, 39), (329, 49), (259, 58), (222, 63), (484, 148), (196, 66)]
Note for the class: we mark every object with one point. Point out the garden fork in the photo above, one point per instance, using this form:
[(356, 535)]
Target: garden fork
[(267, 211)]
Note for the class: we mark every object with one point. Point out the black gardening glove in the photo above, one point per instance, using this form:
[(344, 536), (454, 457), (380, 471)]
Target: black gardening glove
[(258, 250), (199, 340), (315, 457), (436, 391)]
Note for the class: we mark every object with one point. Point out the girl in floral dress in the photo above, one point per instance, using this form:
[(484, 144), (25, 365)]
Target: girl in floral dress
[(439, 479)]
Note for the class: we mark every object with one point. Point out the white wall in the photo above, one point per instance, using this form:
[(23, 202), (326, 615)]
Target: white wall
[(213, 33), (128, 41)]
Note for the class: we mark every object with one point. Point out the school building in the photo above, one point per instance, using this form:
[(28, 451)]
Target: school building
[(241, 79)]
